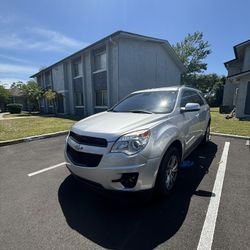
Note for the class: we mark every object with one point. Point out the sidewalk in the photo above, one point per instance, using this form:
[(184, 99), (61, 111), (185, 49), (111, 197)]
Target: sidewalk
[(14, 118), (2, 114)]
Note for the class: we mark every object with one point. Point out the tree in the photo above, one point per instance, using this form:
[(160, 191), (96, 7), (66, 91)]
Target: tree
[(4, 97), (210, 84), (51, 96), (192, 52), (33, 93), (215, 95), (203, 82)]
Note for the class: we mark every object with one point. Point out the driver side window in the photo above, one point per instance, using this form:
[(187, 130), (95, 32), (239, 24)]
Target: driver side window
[(187, 97)]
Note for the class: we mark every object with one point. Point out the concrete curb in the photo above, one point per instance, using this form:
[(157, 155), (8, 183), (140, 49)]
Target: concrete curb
[(65, 132), (33, 138), (231, 136)]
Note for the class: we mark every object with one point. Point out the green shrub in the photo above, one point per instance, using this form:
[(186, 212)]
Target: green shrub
[(14, 108)]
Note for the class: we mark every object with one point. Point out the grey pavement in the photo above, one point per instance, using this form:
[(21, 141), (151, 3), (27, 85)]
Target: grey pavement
[(51, 210)]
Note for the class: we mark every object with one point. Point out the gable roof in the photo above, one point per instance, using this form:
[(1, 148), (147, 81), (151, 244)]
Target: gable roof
[(243, 73), (237, 49), (163, 42)]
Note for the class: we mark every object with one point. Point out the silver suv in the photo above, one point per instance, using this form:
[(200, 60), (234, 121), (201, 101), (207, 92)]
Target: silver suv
[(140, 142)]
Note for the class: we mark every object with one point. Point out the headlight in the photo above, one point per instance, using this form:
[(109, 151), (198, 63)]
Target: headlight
[(132, 143)]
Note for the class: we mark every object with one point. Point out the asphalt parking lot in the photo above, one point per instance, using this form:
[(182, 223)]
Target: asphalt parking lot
[(51, 210)]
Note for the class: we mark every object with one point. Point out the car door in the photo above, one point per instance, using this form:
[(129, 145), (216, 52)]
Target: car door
[(202, 113), (190, 120)]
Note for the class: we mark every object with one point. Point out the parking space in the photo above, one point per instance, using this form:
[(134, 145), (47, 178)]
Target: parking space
[(50, 210)]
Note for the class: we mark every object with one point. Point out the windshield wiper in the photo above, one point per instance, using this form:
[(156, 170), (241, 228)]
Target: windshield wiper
[(132, 111), (141, 111)]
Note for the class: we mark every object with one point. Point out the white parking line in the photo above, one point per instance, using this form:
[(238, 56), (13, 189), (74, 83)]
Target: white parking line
[(207, 234), (47, 169)]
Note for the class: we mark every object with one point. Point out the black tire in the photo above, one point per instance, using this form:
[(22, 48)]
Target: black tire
[(205, 140), (168, 172)]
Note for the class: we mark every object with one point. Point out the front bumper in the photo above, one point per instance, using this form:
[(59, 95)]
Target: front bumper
[(113, 166)]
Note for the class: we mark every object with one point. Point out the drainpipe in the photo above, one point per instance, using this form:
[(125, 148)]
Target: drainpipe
[(116, 44)]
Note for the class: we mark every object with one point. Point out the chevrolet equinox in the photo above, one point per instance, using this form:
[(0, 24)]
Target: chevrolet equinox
[(140, 142)]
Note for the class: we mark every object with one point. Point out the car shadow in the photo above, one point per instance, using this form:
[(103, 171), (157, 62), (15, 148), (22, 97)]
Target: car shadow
[(113, 224)]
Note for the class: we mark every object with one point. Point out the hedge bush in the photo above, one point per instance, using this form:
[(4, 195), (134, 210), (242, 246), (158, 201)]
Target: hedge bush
[(14, 108)]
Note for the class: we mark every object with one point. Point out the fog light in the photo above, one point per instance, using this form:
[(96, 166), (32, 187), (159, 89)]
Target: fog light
[(128, 180)]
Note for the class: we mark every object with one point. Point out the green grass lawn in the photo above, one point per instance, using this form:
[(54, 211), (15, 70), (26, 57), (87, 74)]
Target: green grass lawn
[(20, 128), (37, 125), (220, 124)]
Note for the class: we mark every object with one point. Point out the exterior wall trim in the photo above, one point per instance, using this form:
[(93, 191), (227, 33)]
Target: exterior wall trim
[(115, 34)]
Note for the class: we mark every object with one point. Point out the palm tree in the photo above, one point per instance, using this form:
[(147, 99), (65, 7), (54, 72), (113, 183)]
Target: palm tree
[(51, 96), (33, 93)]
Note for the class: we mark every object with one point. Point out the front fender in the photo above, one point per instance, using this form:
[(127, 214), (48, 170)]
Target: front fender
[(162, 137)]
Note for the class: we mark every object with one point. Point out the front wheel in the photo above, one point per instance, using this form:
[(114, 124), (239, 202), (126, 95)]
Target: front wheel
[(168, 172)]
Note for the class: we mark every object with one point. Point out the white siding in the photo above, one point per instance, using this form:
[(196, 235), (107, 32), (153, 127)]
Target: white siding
[(246, 65), (88, 84), (242, 96), (113, 65), (145, 65), (229, 93)]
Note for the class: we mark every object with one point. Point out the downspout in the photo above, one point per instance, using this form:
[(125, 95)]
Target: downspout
[(118, 60)]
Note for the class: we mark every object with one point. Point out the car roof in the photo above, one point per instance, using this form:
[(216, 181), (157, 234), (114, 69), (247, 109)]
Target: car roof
[(172, 88)]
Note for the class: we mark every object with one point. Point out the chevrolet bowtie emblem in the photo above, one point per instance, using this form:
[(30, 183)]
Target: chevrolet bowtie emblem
[(78, 147)]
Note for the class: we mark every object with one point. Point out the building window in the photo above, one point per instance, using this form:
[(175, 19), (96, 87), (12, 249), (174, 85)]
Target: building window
[(100, 59), (76, 67), (99, 77), (42, 102), (101, 98), (50, 103), (48, 80), (39, 81), (79, 99)]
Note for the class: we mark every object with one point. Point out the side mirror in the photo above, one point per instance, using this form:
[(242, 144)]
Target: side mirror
[(190, 107)]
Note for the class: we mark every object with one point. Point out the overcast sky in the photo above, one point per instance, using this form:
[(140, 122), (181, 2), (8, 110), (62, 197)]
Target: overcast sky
[(38, 33)]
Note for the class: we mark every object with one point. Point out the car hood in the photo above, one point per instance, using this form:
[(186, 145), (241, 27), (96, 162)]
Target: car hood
[(111, 125)]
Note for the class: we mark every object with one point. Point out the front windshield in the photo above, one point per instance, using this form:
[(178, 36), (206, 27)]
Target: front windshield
[(148, 102)]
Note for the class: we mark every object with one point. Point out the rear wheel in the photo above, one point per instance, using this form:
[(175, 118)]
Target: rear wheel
[(168, 172), (207, 135)]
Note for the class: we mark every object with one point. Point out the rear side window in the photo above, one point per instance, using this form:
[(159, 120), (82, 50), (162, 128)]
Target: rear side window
[(190, 96)]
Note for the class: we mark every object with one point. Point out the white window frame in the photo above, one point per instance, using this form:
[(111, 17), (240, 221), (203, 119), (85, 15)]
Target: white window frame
[(76, 77), (99, 71), (98, 54), (79, 106), (48, 84), (77, 62), (102, 99)]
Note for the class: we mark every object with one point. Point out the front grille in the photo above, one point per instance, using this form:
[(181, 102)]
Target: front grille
[(83, 159), (87, 140)]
